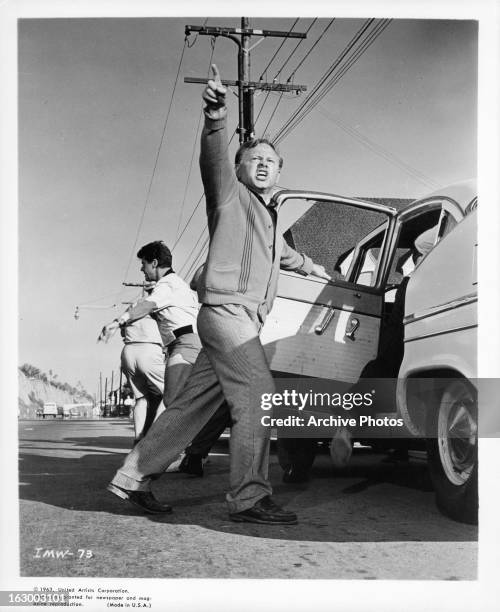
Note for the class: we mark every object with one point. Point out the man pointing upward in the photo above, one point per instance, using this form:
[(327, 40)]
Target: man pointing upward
[(236, 289)]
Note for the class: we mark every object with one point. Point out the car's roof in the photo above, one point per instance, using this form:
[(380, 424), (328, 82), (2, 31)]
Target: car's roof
[(462, 193)]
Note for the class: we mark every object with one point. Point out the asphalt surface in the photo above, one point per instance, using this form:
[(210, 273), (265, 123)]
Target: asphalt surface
[(371, 520)]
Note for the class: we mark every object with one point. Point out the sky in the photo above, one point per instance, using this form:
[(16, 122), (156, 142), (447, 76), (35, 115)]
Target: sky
[(93, 99)]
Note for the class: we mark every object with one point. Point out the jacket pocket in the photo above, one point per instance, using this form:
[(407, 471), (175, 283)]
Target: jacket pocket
[(223, 277)]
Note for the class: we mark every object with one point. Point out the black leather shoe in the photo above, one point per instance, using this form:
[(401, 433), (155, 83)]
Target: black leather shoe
[(144, 500), (294, 474), (265, 511), (192, 464)]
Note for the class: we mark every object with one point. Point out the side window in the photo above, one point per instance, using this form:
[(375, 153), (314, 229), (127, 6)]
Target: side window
[(416, 238), (368, 267), (344, 238)]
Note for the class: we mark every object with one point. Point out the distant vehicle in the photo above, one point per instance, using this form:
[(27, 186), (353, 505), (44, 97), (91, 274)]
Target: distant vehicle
[(49, 409), (76, 410), (343, 329)]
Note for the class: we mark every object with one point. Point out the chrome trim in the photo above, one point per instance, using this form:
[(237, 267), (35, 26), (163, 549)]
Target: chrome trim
[(285, 194), (354, 326), (440, 333), (435, 310), (430, 203), (320, 329)]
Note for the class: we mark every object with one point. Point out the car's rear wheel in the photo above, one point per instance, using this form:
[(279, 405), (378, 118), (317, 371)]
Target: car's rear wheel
[(452, 451)]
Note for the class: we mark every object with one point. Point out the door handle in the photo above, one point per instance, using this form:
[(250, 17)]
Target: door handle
[(320, 329), (354, 326)]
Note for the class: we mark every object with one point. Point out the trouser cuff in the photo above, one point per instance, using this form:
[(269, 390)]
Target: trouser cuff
[(131, 484)]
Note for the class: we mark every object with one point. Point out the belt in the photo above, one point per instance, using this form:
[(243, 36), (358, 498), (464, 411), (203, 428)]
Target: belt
[(180, 331)]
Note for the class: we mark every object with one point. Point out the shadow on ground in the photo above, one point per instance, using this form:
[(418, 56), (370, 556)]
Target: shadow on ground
[(369, 501)]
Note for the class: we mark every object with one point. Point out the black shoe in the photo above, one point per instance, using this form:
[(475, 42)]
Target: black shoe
[(267, 512), (294, 474), (144, 500), (192, 464)]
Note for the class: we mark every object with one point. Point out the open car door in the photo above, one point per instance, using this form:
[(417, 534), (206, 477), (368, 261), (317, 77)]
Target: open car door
[(330, 329)]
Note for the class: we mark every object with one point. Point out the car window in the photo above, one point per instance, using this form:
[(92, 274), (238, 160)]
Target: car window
[(416, 237), (331, 232)]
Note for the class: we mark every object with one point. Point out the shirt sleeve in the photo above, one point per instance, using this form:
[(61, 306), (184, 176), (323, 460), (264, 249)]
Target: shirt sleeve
[(162, 295), (291, 260), (217, 172)]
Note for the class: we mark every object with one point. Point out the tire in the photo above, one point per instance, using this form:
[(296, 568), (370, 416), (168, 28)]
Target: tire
[(452, 459), (299, 452)]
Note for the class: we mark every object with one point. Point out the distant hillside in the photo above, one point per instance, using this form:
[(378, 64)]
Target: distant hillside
[(35, 388)]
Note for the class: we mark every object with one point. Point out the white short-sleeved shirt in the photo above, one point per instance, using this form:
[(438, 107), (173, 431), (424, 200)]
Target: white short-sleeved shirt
[(177, 305), (142, 330)]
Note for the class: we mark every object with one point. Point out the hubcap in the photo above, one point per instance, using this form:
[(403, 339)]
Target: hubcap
[(457, 434)]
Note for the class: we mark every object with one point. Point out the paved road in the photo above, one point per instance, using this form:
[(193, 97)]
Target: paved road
[(372, 520)]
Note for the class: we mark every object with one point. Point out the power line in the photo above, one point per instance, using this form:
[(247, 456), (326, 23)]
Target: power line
[(197, 205), (273, 113), (379, 150), (369, 40), (195, 245), (156, 162), (352, 60), (196, 261), (194, 150), (197, 35), (325, 76), (283, 66), (296, 47), (293, 73), (278, 50), (188, 221), (310, 50), (311, 102)]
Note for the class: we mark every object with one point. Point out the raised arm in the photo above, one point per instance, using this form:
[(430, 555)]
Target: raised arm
[(217, 172)]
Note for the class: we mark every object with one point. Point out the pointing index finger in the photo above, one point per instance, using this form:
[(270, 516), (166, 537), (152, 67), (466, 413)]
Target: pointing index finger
[(216, 75)]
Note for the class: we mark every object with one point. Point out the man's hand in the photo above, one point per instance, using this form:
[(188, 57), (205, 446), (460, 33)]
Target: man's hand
[(214, 96), (320, 272), (108, 331)]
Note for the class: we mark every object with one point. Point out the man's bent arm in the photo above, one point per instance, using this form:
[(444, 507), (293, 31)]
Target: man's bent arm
[(139, 311), (297, 262)]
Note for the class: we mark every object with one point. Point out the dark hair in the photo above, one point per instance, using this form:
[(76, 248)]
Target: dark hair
[(251, 144), (156, 250)]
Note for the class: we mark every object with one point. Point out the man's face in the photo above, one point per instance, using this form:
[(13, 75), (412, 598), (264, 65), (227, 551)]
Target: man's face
[(259, 169), (149, 269)]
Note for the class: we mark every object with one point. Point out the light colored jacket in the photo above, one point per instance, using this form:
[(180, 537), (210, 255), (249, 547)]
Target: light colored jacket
[(245, 251)]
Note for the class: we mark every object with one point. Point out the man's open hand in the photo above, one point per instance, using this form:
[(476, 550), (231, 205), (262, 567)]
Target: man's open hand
[(320, 272), (108, 331), (214, 95)]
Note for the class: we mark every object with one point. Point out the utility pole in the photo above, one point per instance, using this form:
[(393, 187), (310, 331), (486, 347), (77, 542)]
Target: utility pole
[(246, 87), (100, 390), (120, 387)]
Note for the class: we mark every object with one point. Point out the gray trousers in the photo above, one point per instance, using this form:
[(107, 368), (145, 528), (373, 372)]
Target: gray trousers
[(181, 356), (231, 366)]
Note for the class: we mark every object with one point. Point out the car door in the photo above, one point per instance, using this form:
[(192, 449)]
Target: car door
[(330, 330)]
